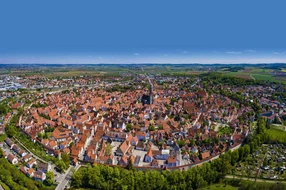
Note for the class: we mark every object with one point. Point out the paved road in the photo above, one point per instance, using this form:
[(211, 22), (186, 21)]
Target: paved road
[(1, 188), (252, 77), (66, 179), (68, 175), (253, 179)]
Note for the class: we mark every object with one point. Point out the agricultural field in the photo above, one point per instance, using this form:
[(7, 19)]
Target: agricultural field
[(241, 74), (257, 74)]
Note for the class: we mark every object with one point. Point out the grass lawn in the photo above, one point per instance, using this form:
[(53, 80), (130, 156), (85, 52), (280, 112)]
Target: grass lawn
[(3, 137), (278, 126), (219, 186), (277, 135)]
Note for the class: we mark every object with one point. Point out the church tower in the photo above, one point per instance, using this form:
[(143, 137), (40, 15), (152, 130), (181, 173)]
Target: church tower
[(151, 94)]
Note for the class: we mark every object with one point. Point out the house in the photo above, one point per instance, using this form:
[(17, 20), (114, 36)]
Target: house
[(154, 163), (140, 145), (149, 156), (27, 171), (172, 161), (40, 176), (105, 159), (9, 142), (141, 135), (43, 167), (205, 155), (19, 151), (30, 172), (123, 161), (27, 158), (77, 149), (132, 140), (52, 144), (161, 155), (115, 136), (61, 134), (122, 149), (12, 159), (90, 156), (31, 163)]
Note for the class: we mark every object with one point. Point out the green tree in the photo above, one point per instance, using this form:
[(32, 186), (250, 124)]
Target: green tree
[(49, 178), (234, 157), (108, 149), (66, 159), (10, 130), (61, 166), (3, 109), (128, 127)]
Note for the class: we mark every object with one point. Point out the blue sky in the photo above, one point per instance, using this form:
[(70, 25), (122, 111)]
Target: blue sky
[(161, 31)]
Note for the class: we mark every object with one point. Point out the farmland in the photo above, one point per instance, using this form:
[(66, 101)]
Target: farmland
[(257, 74)]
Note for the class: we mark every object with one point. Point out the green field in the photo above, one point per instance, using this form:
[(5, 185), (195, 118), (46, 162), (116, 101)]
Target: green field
[(3, 137), (240, 74), (219, 186), (277, 135), (267, 77)]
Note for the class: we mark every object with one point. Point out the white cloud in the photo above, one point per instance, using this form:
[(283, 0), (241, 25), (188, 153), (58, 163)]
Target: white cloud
[(234, 52), (279, 53), (250, 50), (136, 54), (185, 52)]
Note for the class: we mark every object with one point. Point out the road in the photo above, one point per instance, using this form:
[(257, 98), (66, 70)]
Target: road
[(67, 177), (253, 179), (252, 77)]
